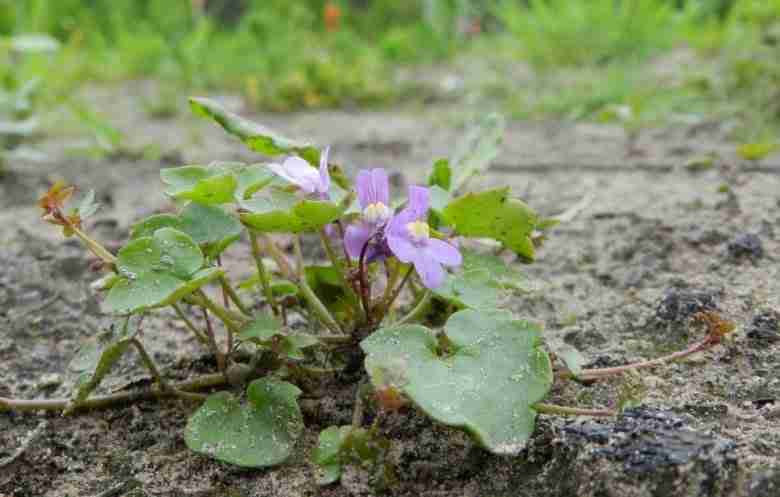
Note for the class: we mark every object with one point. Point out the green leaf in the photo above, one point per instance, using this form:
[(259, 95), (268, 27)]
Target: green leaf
[(156, 271), (340, 445), (95, 359), (258, 434), (210, 227), (484, 375), (475, 289), (441, 175), (207, 185), (757, 151), (327, 455), (477, 149), (267, 331), (501, 273), (493, 214), (148, 226), (255, 136), (252, 179), (284, 212), (261, 329)]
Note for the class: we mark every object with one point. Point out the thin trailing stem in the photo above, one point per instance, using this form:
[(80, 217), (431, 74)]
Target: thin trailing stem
[(418, 310), (314, 302), (195, 331), (185, 389), (594, 374), (265, 281), (572, 411)]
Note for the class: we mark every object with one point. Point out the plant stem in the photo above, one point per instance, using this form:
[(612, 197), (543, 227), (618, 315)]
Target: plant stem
[(219, 311), (183, 389), (262, 274), (590, 374), (347, 260), (417, 311), (233, 295), (195, 331), (94, 246), (314, 302), (352, 298), (221, 362), (278, 257), (571, 411), (149, 363), (389, 303)]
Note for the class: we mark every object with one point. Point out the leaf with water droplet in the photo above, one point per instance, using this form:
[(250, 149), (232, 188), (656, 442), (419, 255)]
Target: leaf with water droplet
[(257, 434), (156, 271), (484, 375)]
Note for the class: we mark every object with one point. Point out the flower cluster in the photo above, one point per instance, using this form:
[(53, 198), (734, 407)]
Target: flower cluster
[(379, 232)]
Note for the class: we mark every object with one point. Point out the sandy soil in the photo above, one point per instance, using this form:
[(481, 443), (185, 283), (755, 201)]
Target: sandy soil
[(657, 242)]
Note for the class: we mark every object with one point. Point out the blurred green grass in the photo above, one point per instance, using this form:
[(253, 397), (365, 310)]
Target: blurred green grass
[(653, 60)]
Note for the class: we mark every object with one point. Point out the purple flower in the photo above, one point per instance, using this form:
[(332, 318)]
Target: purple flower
[(373, 190), (298, 172), (408, 236)]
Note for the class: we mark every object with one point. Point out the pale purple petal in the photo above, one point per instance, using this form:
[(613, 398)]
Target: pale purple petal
[(381, 186), (299, 172), (402, 248), (443, 252), (324, 184), (364, 188), (355, 238), (397, 225), (419, 201), (431, 273)]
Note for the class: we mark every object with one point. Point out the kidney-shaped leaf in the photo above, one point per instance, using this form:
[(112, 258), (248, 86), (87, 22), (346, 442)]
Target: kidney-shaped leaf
[(493, 214), (157, 270), (484, 377), (260, 433)]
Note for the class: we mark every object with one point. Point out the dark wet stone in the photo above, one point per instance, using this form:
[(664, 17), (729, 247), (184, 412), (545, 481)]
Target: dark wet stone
[(746, 245), (679, 304), (764, 327), (652, 452)]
